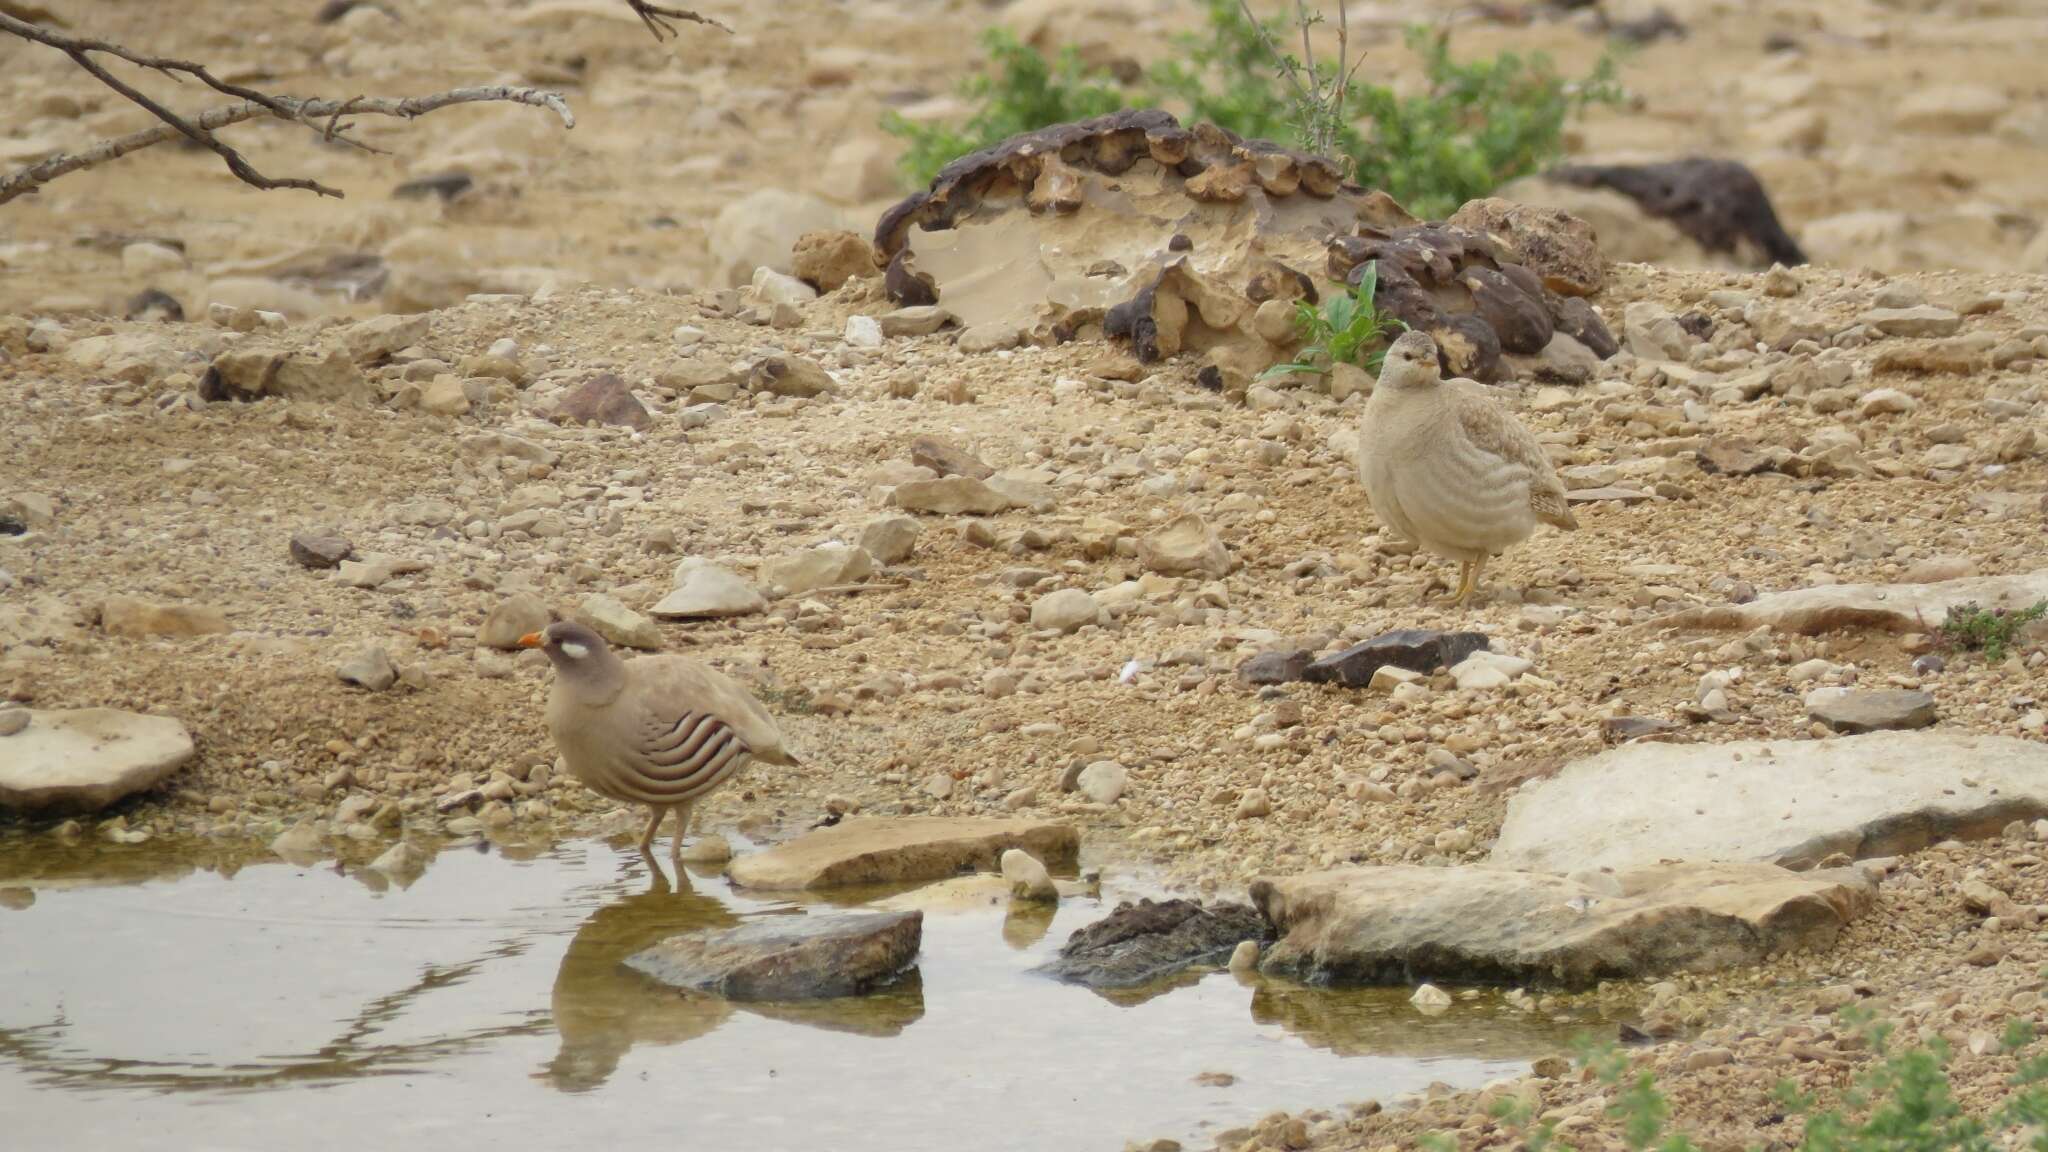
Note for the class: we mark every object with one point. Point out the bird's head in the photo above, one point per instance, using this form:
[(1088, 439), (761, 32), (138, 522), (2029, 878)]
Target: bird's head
[(1411, 361), (569, 645)]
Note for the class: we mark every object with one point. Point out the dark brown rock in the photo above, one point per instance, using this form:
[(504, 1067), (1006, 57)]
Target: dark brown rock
[(604, 399), (1554, 245), (310, 550), (1720, 204), (1284, 666), (1143, 942), (1421, 650)]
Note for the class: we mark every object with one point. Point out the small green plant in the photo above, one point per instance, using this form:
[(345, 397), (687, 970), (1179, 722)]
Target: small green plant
[(1974, 628), (1348, 329), (1902, 1103), (1019, 91)]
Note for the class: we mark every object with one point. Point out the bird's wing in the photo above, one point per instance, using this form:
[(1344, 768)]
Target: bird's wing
[(674, 688), (1493, 429)]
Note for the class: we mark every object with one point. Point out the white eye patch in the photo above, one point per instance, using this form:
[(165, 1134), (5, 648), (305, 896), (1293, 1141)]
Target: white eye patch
[(574, 650)]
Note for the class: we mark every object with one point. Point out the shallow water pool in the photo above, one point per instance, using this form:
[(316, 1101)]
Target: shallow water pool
[(167, 997)]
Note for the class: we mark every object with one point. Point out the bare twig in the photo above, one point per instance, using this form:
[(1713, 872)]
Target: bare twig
[(1319, 93), (26, 180), (658, 19)]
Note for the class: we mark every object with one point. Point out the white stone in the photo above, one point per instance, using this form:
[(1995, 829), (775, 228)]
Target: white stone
[(1028, 878), (704, 590), (85, 759), (1103, 781), (1065, 610)]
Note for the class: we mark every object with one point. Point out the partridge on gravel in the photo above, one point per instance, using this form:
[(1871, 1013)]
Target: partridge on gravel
[(1449, 468), (657, 730)]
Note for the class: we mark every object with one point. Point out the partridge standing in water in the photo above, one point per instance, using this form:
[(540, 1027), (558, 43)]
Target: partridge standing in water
[(1449, 468), (658, 730)]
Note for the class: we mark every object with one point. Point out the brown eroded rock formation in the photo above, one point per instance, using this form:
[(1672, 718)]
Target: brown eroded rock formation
[(1180, 239)]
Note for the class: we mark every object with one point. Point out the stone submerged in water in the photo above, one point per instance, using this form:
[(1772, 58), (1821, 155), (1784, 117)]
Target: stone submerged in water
[(807, 957), (1423, 650), (84, 760), (902, 849), (1790, 802), (1402, 923), (1147, 941)]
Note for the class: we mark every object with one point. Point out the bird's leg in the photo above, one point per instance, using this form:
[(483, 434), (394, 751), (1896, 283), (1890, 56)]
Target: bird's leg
[(683, 814), (1478, 568), (1465, 579), (656, 812)]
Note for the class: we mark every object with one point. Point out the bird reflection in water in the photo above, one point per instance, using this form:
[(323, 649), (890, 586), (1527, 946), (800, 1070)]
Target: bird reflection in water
[(602, 1008)]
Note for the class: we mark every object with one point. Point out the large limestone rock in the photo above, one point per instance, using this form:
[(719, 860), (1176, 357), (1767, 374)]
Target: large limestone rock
[(1884, 607), (905, 849), (1403, 923), (1792, 802), (788, 957), (84, 760), (1170, 238)]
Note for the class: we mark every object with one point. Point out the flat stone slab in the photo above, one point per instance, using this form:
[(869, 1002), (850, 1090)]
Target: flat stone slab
[(1146, 941), (902, 850), (1790, 802), (85, 759), (1402, 924), (1884, 607), (788, 957)]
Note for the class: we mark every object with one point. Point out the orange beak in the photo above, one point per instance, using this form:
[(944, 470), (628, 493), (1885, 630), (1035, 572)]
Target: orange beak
[(531, 640)]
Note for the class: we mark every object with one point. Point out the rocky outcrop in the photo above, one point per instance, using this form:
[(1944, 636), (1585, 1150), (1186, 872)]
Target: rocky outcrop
[(1883, 607), (788, 957), (906, 849), (1173, 239), (1143, 942), (1790, 802), (1401, 924), (84, 760)]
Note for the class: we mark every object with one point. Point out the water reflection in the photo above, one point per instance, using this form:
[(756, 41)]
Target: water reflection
[(601, 1008)]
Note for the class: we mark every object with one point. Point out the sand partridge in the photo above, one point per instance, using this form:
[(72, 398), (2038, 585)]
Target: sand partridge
[(657, 730), (1448, 467)]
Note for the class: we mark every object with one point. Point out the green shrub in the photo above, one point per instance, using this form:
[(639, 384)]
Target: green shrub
[(1020, 90), (1475, 125), (1348, 329), (1974, 628)]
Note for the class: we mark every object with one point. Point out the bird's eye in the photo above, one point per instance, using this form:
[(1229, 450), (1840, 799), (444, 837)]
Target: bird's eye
[(574, 650)]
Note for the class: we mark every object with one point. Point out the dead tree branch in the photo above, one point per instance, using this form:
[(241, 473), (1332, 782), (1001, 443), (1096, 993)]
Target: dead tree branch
[(26, 180), (659, 20)]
